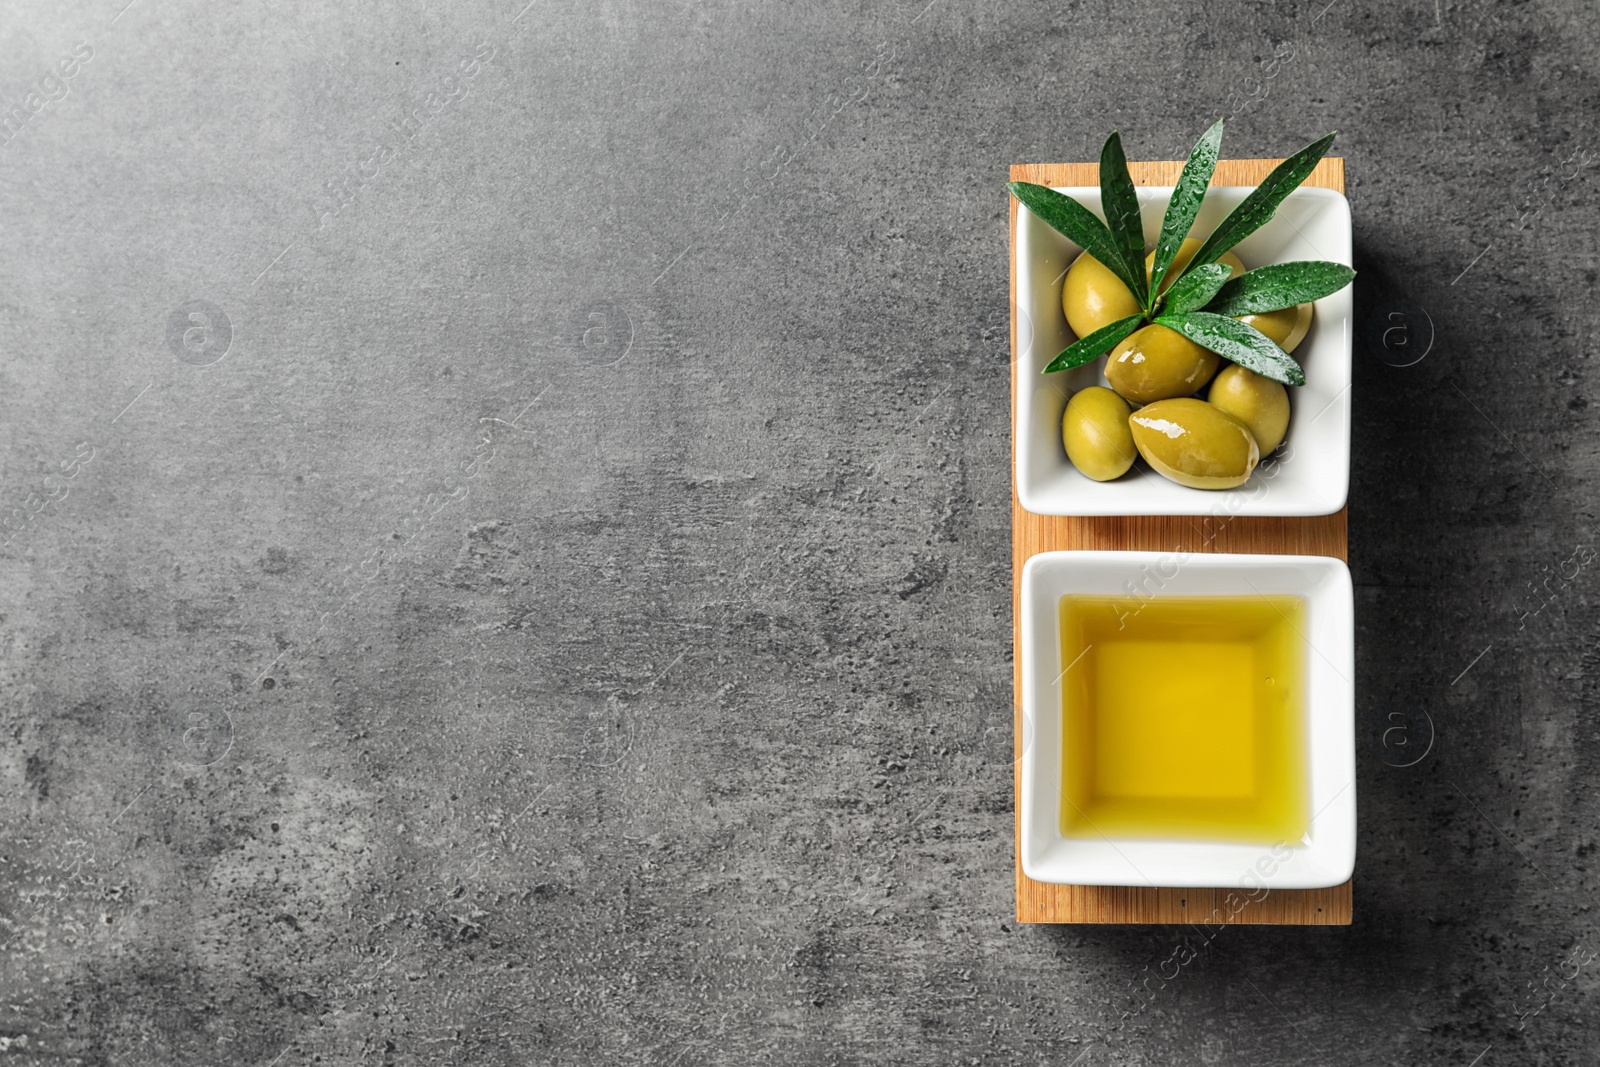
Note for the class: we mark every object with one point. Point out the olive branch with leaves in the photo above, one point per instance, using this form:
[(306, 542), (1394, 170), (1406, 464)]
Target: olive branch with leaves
[(1201, 302)]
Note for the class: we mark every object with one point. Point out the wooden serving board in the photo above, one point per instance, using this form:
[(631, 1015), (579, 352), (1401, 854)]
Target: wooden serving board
[(1043, 902)]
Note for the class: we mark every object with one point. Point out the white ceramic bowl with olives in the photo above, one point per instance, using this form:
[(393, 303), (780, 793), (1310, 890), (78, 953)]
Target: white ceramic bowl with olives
[(1307, 474)]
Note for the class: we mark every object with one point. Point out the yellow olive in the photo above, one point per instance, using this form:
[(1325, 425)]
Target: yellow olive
[(1185, 253), (1095, 430), (1155, 363), (1260, 403), (1194, 444), (1287, 327), (1093, 297)]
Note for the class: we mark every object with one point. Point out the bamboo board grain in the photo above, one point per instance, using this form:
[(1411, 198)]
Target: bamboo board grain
[(1042, 902)]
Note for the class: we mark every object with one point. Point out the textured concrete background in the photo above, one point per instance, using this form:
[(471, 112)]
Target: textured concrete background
[(530, 583)]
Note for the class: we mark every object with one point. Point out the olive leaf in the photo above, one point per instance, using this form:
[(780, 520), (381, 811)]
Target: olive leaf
[(1080, 225), (1120, 202), (1236, 341), (1254, 211), (1095, 345), (1278, 286), (1185, 203), (1195, 288)]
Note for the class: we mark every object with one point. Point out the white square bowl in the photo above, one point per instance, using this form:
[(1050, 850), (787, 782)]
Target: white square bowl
[(1326, 856), (1310, 474)]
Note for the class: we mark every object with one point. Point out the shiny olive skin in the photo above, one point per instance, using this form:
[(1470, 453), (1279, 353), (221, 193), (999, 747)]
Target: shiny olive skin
[(1155, 363), (1287, 327), (1194, 443), (1260, 403), (1095, 431), (1092, 297)]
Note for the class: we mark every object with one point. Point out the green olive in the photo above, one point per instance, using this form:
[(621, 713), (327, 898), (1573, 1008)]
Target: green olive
[(1093, 297), (1260, 403), (1155, 363), (1194, 444), (1185, 253), (1287, 327), (1095, 430)]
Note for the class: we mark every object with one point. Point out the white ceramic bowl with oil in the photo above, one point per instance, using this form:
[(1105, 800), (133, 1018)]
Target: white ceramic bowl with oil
[(1325, 856)]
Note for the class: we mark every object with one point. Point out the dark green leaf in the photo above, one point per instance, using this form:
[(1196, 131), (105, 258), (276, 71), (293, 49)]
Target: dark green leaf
[(1078, 224), (1195, 288), (1095, 345), (1185, 202), (1120, 201), (1263, 201), (1278, 286), (1233, 340)]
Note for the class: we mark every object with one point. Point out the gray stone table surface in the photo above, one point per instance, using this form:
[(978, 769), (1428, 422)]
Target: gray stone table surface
[(507, 531)]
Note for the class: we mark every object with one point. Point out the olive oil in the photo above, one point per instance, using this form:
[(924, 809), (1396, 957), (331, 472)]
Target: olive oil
[(1184, 718)]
